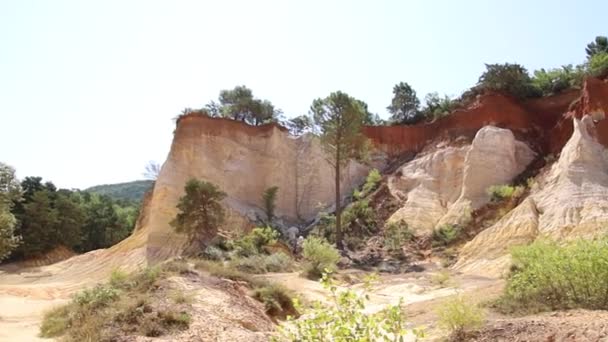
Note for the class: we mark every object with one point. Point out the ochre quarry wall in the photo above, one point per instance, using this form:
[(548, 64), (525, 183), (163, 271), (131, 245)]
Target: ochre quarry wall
[(243, 161), (546, 122)]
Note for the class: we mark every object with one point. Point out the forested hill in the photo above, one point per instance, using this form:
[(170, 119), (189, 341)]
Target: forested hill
[(132, 191)]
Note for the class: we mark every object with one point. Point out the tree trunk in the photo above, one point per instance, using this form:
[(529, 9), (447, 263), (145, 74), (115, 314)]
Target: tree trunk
[(339, 237)]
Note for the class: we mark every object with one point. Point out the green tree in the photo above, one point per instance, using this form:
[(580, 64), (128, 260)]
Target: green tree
[(10, 192), (340, 118), (553, 81), (404, 105), (507, 78), (38, 224), (200, 211), (239, 104), (436, 106), (599, 45), (299, 125), (269, 197), (598, 64), (70, 220)]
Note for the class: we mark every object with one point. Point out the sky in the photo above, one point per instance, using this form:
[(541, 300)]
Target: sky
[(88, 89)]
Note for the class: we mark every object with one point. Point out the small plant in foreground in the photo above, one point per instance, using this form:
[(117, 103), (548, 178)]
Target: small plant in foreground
[(346, 320), (458, 317), (320, 256)]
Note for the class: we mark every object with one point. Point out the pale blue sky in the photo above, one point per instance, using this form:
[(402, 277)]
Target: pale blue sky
[(88, 88)]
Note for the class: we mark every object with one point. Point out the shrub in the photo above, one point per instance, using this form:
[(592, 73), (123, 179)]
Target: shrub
[(276, 298), (269, 198), (546, 275), (345, 320), (500, 192), (445, 235), (212, 252), (56, 321), (458, 316), (254, 242), (598, 64), (256, 264), (371, 182), (508, 78), (97, 297), (554, 81), (320, 256), (396, 234), (441, 278)]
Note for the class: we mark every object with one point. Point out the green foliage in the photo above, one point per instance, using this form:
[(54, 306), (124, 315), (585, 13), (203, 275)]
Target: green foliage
[(599, 45), (200, 211), (299, 125), (340, 118), (276, 298), (97, 297), (10, 192), (371, 182), (436, 107), (546, 275), (458, 316), (269, 198), (261, 263), (598, 64), (346, 320), (500, 192), (445, 234), (396, 235), (319, 256), (254, 242), (129, 191), (404, 108), (508, 78), (554, 81), (239, 104)]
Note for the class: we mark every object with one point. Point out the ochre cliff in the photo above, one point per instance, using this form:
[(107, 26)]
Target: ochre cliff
[(243, 161)]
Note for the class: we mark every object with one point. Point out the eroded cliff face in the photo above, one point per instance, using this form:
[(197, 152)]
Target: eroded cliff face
[(570, 202), (243, 161), (445, 186)]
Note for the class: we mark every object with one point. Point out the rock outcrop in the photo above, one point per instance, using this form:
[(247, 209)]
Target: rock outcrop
[(571, 201), (446, 185), (243, 161)]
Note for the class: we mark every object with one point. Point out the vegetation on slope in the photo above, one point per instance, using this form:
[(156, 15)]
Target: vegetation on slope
[(130, 191), (549, 276)]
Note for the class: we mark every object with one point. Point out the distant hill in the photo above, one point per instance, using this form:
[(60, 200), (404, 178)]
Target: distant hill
[(133, 191)]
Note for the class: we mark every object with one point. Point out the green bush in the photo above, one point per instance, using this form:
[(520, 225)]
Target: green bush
[(320, 256), (276, 298), (546, 275), (212, 252), (396, 234), (444, 235), (254, 242), (441, 278), (345, 320), (598, 64), (508, 78), (257, 264), (554, 81), (269, 197), (500, 192), (458, 316), (97, 297), (371, 182)]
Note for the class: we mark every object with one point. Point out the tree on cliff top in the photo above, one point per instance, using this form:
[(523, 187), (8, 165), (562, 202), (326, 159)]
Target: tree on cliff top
[(508, 78), (404, 105), (200, 211), (340, 118), (239, 104), (599, 45)]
